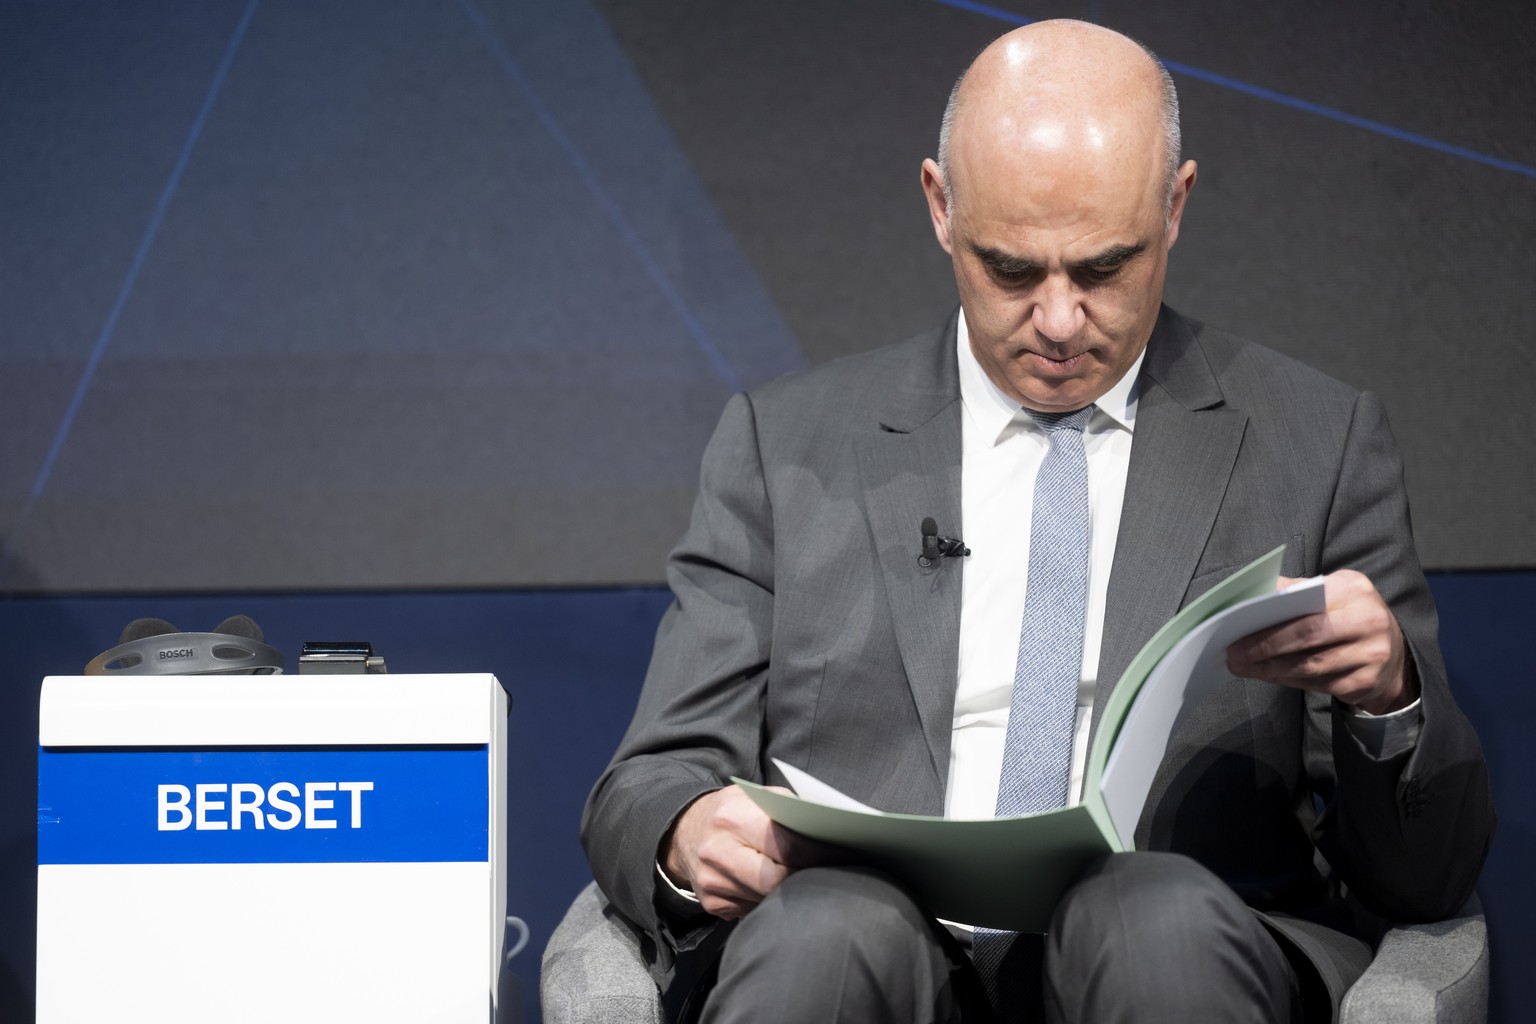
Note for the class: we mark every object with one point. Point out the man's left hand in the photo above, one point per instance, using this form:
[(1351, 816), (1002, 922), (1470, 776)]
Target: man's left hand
[(1352, 650)]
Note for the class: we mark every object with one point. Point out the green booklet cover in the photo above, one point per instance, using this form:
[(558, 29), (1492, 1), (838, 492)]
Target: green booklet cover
[(1010, 872)]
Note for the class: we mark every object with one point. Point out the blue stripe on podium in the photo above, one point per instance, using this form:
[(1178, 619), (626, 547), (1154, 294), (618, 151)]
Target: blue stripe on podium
[(138, 806)]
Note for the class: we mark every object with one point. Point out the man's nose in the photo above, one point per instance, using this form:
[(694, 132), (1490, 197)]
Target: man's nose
[(1058, 309)]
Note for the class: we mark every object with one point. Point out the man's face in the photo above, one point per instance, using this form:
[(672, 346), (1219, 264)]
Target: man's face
[(1060, 269)]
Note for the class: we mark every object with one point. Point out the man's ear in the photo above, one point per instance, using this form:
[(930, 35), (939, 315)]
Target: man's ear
[(1183, 185), (938, 206)]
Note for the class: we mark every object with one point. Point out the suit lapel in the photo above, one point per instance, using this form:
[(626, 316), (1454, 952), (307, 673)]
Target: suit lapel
[(909, 465), (1181, 459)]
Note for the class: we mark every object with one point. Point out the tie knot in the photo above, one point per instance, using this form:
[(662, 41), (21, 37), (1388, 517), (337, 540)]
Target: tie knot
[(1055, 422)]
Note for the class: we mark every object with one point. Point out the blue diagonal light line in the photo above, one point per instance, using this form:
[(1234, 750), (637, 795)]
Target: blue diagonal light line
[(110, 326), (1295, 103), (1350, 119), (605, 201), (989, 11)]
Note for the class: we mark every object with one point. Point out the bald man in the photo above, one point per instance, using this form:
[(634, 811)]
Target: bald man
[(1332, 780)]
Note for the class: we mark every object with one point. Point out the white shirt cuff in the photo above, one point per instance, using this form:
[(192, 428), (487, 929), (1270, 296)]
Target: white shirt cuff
[(1384, 737), (684, 893)]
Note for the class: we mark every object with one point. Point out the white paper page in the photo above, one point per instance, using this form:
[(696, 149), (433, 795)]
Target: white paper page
[(808, 787), (1186, 673)]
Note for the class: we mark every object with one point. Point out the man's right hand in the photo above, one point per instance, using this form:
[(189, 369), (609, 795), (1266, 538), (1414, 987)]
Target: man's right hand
[(728, 851)]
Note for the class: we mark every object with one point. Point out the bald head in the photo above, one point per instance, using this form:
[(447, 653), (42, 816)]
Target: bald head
[(1059, 91)]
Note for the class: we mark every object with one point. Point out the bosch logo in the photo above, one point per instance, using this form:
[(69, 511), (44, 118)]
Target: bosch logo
[(176, 652)]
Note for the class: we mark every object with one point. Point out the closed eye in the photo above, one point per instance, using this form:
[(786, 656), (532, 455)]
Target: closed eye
[(1107, 265), (1004, 268), (1013, 277), (1098, 275)]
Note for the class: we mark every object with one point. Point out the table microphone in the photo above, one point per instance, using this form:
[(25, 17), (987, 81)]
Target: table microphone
[(152, 647)]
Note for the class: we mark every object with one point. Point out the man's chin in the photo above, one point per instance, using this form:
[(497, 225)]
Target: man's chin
[(1069, 396)]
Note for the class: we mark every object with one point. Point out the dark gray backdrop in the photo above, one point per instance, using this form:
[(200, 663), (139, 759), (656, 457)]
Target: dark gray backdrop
[(447, 293)]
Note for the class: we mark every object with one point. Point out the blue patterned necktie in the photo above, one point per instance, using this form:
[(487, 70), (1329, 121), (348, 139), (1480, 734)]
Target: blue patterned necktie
[(1037, 753)]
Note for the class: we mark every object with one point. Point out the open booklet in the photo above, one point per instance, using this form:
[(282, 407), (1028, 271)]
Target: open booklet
[(1010, 872)]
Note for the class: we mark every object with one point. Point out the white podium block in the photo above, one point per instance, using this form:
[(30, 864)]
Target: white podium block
[(259, 848)]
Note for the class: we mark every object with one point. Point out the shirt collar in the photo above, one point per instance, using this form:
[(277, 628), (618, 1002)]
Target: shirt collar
[(997, 417)]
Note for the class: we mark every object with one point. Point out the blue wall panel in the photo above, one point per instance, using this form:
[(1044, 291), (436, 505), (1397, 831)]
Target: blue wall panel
[(574, 660)]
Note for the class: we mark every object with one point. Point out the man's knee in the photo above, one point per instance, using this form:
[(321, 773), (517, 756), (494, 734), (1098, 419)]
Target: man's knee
[(1150, 897), (829, 942), (825, 909), (1159, 927)]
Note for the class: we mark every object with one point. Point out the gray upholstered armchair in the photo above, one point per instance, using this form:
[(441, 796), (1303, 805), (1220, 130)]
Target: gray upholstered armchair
[(593, 974)]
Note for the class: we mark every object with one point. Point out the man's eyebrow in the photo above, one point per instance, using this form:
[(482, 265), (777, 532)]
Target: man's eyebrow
[(1004, 263), (1112, 257)]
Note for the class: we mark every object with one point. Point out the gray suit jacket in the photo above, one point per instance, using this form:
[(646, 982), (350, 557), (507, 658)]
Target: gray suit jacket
[(804, 629)]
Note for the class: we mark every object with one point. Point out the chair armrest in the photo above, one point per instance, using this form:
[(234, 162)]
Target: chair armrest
[(592, 972), (1426, 974)]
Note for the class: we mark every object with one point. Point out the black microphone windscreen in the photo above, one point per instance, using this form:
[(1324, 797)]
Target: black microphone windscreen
[(138, 629), (930, 528), (239, 625)]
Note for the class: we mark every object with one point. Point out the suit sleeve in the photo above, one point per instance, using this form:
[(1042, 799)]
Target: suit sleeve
[(699, 719), (1407, 834)]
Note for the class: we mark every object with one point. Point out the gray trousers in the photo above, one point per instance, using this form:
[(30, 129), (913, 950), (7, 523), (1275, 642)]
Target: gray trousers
[(1141, 937)]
